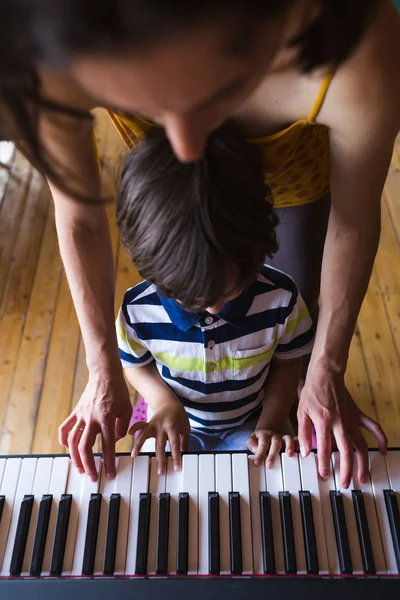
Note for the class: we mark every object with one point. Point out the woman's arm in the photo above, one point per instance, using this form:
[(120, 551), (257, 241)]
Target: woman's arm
[(85, 247), (362, 111)]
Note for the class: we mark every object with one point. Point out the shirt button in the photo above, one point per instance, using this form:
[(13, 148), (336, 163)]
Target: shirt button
[(209, 320), (213, 366), (211, 344)]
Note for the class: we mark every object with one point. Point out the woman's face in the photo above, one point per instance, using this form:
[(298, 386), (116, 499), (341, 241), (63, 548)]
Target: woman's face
[(189, 85)]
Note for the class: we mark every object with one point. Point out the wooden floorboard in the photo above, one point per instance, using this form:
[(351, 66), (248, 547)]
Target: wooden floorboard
[(42, 361)]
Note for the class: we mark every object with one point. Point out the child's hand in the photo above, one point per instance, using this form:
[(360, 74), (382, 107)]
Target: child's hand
[(169, 422), (266, 445)]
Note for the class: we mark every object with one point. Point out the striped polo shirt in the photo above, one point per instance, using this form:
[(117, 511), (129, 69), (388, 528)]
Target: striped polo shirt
[(217, 365)]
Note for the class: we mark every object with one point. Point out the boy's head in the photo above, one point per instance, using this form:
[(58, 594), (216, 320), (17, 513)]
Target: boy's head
[(200, 231)]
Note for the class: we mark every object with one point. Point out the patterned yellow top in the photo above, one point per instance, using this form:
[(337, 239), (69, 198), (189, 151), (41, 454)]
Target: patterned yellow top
[(296, 159)]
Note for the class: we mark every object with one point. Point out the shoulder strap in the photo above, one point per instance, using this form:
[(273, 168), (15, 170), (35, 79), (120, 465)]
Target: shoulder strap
[(321, 95)]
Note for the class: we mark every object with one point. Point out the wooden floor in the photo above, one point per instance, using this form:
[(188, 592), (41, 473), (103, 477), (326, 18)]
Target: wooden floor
[(42, 368)]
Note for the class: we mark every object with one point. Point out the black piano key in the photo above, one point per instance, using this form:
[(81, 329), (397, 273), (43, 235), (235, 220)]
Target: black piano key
[(392, 508), (143, 534), (287, 532), (40, 535), (235, 533), (183, 534), (213, 534), (363, 532), (60, 537), (310, 543), (112, 533), (21, 535), (267, 535), (342, 538), (162, 534), (2, 503), (92, 530)]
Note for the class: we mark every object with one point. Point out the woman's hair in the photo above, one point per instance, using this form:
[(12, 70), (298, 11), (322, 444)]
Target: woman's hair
[(54, 32), (198, 231)]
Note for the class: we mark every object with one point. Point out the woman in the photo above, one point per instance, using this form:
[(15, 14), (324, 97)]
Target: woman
[(310, 81)]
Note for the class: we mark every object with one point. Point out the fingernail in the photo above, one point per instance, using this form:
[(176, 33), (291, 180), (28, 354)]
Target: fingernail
[(303, 451), (110, 476), (256, 462), (176, 467), (270, 464), (160, 471), (363, 479), (80, 471), (345, 485), (325, 475), (254, 449)]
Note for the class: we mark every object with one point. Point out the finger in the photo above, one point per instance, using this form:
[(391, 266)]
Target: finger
[(346, 458), (74, 438), (324, 449), (85, 448), (274, 449), (108, 447), (377, 431), (122, 423), (304, 434), (252, 443), (289, 444), (175, 448), (65, 428), (137, 426), (161, 457), (361, 448), (146, 433), (264, 442)]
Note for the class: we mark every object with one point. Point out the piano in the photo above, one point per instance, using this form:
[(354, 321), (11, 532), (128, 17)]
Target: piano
[(219, 526)]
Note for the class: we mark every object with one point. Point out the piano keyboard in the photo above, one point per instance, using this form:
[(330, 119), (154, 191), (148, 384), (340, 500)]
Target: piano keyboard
[(219, 516)]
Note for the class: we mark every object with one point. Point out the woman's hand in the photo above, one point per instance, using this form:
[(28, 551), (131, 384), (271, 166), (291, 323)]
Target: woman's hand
[(266, 445), (104, 408), (326, 403), (168, 423)]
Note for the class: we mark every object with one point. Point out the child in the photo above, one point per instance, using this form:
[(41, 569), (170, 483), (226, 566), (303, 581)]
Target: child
[(213, 338)]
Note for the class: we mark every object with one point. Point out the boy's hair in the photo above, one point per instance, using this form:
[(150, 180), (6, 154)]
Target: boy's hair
[(192, 228)]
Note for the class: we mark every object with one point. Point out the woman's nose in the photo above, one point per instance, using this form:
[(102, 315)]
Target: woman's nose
[(186, 138)]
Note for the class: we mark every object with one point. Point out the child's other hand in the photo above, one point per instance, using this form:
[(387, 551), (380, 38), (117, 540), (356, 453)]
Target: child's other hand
[(266, 446), (169, 422)]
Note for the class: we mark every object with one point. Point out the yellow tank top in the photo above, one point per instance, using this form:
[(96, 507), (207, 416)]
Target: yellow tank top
[(296, 159)]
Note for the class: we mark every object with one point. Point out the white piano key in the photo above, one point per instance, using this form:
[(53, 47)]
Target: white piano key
[(326, 486), (106, 488), (89, 487), (41, 486), (206, 484), (8, 489), (156, 487), (380, 482), (123, 486), (190, 484), (57, 487), (25, 484), (373, 525), (223, 485), (351, 522), (292, 484), (257, 485), (2, 468), (240, 483), (274, 486), (309, 483), (140, 485), (173, 487), (75, 488), (393, 466)]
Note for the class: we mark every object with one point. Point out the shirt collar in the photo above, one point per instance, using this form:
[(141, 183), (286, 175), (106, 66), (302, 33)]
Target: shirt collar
[(233, 312)]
